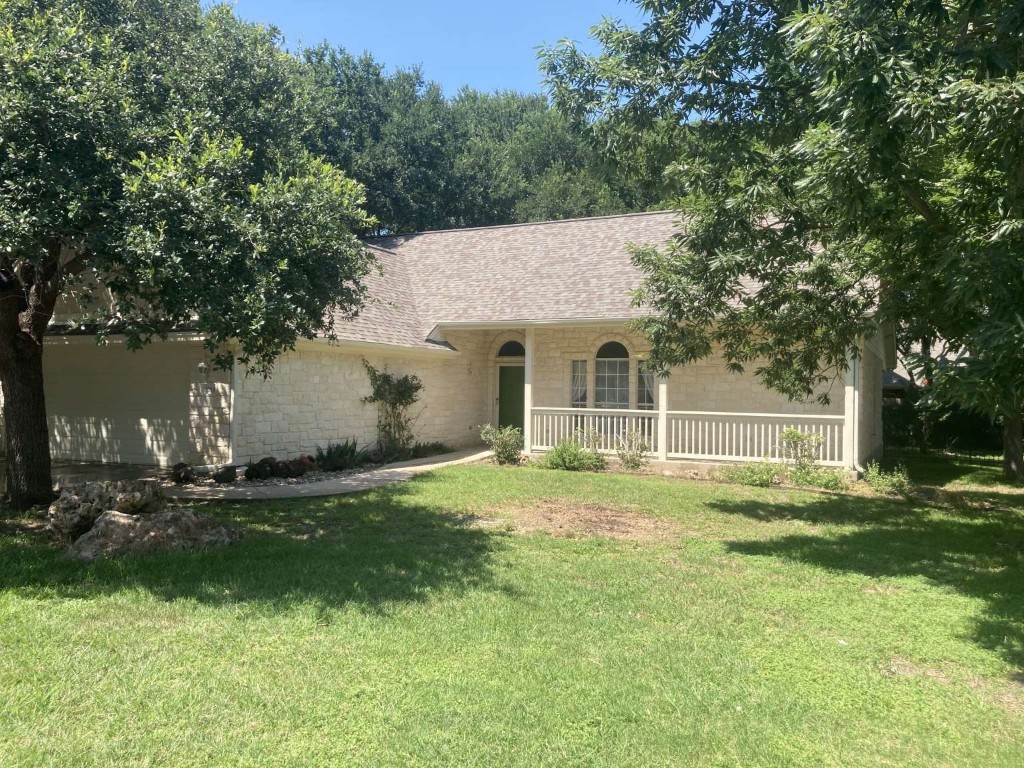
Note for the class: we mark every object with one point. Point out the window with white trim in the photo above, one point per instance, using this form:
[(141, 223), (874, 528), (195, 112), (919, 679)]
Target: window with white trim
[(611, 376), (579, 384)]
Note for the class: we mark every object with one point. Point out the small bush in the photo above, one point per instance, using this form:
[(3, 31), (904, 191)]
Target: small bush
[(894, 483), (762, 474), (570, 455), (261, 470), (800, 448), (506, 442), (632, 451), (817, 477), (289, 468), (393, 396), (338, 457)]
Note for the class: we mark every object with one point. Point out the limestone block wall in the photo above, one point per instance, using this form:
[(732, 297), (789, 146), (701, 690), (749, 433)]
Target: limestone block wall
[(702, 386), (315, 397), (209, 417)]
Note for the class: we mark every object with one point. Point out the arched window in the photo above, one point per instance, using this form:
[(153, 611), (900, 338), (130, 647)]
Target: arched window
[(512, 349), (611, 376)]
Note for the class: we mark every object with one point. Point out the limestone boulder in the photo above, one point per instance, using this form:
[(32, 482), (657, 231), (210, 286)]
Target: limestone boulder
[(81, 504), (115, 534)]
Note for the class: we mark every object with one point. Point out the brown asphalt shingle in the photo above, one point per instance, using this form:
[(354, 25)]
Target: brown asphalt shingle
[(559, 270)]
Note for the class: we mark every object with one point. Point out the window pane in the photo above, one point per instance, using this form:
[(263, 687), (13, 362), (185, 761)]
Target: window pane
[(645, 391), (611, 388), (512, 349), (579, 384)]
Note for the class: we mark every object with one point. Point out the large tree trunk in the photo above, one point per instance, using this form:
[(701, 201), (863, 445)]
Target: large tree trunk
[(27, 435), (1013, 445), (28, 293)]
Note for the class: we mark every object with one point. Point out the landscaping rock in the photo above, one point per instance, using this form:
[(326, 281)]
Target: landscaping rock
[(115, 534), (183, 474), (79, 505), (225, 475)]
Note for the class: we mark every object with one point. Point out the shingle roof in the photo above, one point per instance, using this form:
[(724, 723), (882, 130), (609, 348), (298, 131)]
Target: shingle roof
[(576, 269), (389, 316)]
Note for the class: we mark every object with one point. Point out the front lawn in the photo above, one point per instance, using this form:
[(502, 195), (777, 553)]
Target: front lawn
[(487, 616)]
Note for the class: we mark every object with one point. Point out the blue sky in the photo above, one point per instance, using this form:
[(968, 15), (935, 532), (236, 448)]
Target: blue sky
[(487, 45)]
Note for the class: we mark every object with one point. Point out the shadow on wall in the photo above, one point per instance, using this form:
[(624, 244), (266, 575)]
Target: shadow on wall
[(128, 439), (372, 551), (977, 549)]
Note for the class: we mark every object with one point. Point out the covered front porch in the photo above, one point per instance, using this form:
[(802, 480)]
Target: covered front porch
[(578, 381)]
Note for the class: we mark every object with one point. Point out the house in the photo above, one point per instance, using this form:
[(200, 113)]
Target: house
[(523, 324)]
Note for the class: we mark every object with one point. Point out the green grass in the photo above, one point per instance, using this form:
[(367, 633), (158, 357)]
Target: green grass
[(760, 627)]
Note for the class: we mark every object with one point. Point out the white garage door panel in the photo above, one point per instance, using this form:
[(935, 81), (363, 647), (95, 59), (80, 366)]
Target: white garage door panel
[(109, 404)]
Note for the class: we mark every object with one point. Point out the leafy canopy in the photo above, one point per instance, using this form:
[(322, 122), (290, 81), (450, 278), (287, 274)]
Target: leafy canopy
[(860, 162), (153, 172)]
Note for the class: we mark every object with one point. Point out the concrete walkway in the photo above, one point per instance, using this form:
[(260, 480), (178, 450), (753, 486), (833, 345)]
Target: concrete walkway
[(362, 481)]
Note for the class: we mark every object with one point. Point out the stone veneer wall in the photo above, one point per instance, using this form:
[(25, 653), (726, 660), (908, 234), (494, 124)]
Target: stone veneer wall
[(315, 397), (702, 386)]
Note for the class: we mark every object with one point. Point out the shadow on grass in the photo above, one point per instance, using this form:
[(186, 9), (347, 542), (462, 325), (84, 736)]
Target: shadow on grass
[(940, 470), (373, 551), (976, 551)]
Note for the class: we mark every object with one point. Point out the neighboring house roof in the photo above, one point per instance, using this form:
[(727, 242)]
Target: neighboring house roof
[(893, 380), (576, 269)]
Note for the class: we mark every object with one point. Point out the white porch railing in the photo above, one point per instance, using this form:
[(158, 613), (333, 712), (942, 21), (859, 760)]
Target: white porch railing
[(696, 435), (605, 426), (750, 436)]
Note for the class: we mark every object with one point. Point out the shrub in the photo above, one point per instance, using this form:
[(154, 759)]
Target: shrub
[(260, 470), (632, 451), (893, 483), (799, 448), (289, 468), (393, 396), (570, 455), (337, 457), (506, 442), (762, 474), (817, 477), (800, 451)]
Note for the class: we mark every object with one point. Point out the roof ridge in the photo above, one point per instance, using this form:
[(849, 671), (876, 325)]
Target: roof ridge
[(369, 240)]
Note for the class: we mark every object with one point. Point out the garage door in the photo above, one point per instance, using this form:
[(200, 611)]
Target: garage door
[(109, 404)]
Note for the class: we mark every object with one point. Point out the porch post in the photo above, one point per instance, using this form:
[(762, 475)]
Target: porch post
[(662, 418), (850, 413), (528, 392)]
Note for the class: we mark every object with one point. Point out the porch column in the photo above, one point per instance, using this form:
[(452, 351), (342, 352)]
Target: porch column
[(850, 412), (528, 392), (662, 418)]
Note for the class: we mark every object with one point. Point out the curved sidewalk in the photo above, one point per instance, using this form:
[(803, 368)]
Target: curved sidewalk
[(361, 481)]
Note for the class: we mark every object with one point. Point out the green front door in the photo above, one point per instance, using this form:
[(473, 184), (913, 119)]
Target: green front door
[(511, 380)]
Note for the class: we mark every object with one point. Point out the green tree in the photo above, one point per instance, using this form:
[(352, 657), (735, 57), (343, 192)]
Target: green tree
[(859, 162), (475, 159), (152, 173)]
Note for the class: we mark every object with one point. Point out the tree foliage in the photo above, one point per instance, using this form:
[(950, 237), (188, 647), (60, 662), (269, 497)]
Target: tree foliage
[(153, 172), (860, 162), (476, 159)]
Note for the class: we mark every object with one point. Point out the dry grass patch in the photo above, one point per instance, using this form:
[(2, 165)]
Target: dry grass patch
[(573, 519)]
